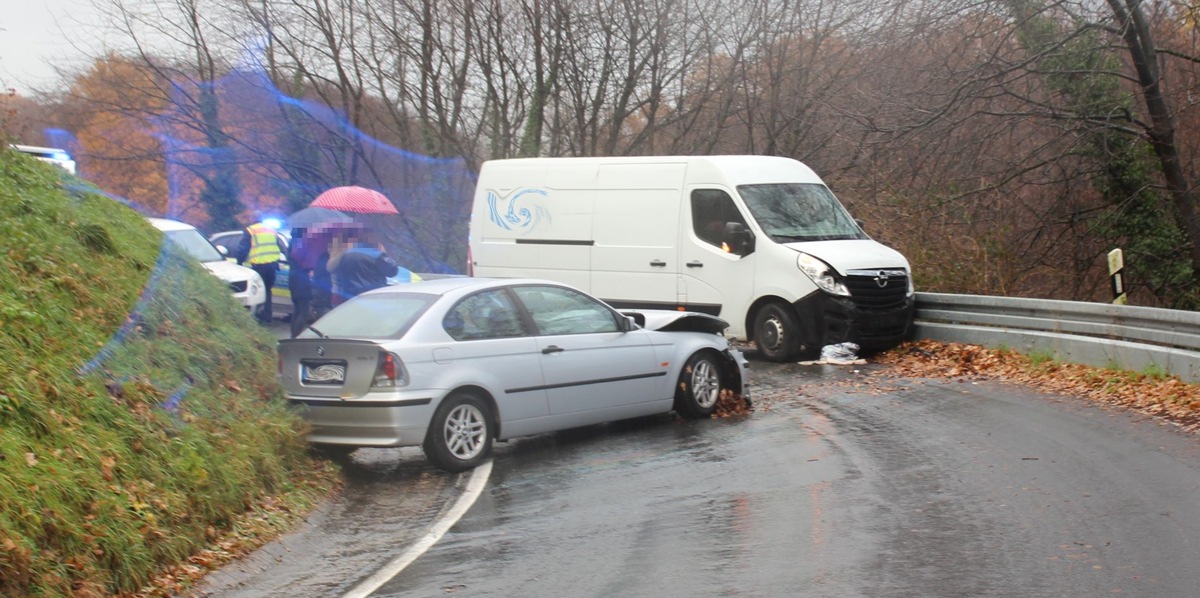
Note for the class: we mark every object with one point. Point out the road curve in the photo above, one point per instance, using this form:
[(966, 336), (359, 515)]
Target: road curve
[(841, 483)]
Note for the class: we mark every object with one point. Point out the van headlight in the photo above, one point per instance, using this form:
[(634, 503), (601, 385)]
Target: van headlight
[(821, 274)]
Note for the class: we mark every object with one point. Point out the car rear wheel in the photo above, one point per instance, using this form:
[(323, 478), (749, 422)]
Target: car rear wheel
[(699, 386), (461, 433), (776, 333)]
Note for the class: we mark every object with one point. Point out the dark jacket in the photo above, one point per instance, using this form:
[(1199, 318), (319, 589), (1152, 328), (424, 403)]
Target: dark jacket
[(299, 277), (362, 269)]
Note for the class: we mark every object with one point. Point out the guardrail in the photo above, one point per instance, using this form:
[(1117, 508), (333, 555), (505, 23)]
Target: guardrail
[(1098, 334)]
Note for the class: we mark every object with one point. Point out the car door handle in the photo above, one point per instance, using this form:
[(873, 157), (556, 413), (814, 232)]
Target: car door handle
[(658, 263), (552, 349), (695, 264)]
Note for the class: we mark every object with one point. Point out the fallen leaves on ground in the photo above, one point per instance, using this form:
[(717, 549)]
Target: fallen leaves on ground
[(730, 403), (1158, 395), (266, 520)]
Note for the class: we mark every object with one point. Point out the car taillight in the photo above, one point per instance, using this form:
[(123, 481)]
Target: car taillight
[(390, 372)]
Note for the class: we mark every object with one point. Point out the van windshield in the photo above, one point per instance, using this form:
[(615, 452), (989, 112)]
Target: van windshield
[(791, 212)]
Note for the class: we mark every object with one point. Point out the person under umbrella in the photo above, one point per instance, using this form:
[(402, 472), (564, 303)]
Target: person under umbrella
[(359, 265), (315, 252), (300, 267)]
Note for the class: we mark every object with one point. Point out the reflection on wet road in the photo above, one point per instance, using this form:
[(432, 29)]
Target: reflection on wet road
[(841, 483)]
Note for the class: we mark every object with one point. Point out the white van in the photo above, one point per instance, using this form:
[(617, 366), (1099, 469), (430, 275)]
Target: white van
[(245, 284), (759, 241)]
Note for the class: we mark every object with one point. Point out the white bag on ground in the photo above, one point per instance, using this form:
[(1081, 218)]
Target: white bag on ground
[(839, 353)]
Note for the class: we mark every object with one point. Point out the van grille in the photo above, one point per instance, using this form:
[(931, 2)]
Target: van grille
[(878, 289)]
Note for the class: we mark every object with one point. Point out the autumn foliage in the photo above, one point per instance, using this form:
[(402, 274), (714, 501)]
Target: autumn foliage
[(1152, 393)]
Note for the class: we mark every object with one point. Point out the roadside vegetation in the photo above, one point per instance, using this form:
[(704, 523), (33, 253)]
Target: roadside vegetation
[(1005, 148), (141, 429)]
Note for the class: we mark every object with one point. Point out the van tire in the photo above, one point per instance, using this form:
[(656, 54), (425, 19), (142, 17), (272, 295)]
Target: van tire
[(698, 389), (776, 333), (460, 434)]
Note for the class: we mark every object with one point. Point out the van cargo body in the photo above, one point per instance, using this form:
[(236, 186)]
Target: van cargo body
[(759, 241)]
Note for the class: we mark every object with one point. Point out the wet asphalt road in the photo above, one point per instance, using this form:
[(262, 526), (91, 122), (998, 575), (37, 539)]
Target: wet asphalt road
[(841, 483)]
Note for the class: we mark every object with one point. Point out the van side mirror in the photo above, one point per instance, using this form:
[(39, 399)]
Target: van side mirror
[(739, 238)]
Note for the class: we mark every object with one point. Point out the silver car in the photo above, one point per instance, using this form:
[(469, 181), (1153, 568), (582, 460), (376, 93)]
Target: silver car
[(453, 364)]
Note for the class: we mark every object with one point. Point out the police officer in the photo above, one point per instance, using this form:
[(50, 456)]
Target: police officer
[(261, 249)]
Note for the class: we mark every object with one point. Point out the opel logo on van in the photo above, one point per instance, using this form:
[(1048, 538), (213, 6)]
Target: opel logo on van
[(320, 351), (881, 279)]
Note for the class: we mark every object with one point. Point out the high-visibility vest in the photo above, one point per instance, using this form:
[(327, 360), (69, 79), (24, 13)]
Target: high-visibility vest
[(264, 248)]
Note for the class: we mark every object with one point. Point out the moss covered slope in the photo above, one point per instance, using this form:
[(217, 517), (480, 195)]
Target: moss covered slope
[(139, 413)]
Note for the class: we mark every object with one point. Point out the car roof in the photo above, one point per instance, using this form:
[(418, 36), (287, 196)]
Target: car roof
[(461, 284), (287, 235), (167, 225)]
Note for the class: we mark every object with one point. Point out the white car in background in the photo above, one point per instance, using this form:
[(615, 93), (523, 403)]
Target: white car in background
[(281, 295), (247, 286)]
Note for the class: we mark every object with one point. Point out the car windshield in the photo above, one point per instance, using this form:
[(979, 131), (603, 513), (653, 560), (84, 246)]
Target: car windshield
[(790, 212), (195, 244), (375, 316)]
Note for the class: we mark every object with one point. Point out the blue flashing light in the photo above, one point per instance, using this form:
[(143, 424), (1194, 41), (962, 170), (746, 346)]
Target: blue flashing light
[(273, 222)]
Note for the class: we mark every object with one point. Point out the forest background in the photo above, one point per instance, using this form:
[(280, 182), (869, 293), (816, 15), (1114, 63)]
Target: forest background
[(1005, 147)]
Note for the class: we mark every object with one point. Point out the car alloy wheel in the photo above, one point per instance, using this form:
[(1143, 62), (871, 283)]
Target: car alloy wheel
[(465, 431), (699, 386), (461, 433)]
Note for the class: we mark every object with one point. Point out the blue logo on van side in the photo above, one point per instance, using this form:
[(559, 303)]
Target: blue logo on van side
[(511, 213)]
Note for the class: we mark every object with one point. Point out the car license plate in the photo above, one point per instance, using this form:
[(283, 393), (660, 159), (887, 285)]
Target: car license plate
[(323, 372)]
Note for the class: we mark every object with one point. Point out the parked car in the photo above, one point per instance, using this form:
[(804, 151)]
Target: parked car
[(246, 284), (453, 364), (281, 297), (54, 155)]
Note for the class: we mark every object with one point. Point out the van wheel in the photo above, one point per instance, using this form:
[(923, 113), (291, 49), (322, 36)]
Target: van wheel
[(699, 386), (461, 433), (776, 333)]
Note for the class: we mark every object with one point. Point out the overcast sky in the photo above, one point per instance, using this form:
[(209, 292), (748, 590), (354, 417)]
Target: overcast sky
[(35, 32)]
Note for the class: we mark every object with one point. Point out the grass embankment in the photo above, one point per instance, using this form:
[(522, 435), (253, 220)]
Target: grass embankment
[(140, 420)]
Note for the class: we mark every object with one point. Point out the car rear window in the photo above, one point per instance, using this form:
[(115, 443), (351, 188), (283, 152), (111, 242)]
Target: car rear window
[(377, 316)]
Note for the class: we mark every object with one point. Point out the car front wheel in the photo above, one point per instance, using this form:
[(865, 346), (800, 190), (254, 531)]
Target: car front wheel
[(699, 386), (461, 433)]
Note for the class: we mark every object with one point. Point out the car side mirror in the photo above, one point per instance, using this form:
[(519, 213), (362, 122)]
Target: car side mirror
[(739, 238), (632, 321), (222, 250)]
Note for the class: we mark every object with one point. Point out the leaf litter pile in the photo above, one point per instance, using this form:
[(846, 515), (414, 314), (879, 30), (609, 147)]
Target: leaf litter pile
[(1150, 393), (730, 403)]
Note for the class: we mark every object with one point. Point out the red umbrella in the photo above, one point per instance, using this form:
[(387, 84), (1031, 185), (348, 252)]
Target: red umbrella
[(355, 199)]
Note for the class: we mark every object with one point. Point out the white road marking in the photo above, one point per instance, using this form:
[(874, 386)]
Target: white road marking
[(475, 485)]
